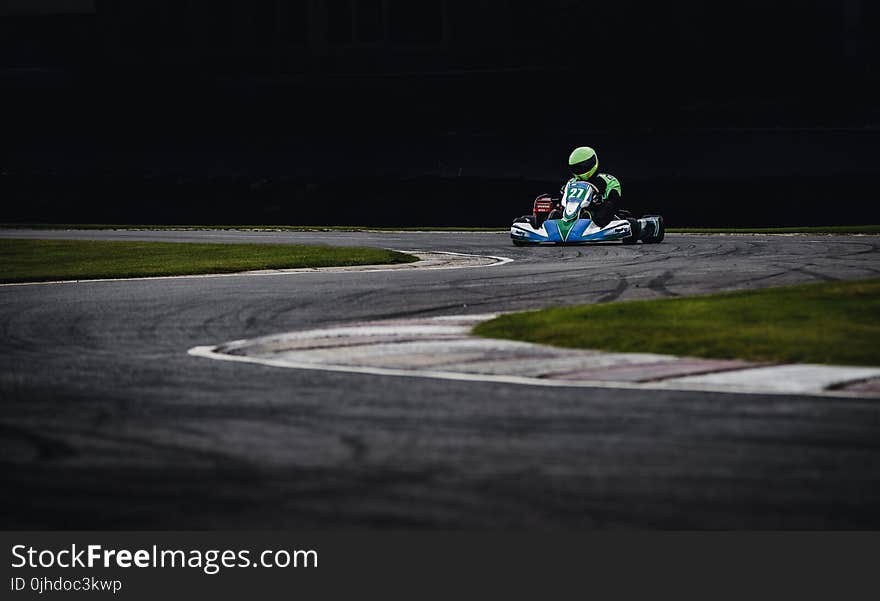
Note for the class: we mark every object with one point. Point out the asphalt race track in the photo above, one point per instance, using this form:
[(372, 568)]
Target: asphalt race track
[(108, 423)]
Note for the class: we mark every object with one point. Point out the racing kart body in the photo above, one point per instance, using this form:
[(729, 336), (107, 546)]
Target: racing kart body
[(568, 221)]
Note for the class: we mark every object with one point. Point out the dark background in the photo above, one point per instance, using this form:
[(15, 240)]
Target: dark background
[(441, 112)]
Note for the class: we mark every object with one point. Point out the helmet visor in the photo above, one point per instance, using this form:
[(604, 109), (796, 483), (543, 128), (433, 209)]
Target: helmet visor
[(584, 167)]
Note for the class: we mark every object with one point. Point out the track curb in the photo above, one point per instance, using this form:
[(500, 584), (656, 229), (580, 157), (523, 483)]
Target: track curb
[(443, 348)]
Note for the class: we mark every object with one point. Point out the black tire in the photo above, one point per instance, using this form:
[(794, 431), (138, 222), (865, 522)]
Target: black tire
[(636, 232), (530, 219), (661, 233)]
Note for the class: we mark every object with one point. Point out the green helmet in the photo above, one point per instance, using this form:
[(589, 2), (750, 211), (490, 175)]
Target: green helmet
[(583, 162)]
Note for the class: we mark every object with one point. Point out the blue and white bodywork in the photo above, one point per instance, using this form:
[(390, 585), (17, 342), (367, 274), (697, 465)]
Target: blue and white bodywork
[(582, 230), (574, 226)]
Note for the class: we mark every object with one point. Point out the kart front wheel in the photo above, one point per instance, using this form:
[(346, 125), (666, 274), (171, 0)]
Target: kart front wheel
[(658, 236), (636, 231)]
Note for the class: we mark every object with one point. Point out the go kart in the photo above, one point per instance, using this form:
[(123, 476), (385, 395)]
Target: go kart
[(568, 221)]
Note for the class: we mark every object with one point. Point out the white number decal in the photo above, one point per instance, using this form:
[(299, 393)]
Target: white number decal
[(576, 192)]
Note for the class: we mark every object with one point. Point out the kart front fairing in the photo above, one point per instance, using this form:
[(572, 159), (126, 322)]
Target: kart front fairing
[(572, 228), (578, 231)]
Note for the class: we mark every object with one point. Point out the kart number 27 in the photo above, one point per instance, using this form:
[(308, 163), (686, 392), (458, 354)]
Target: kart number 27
[(576, 192)]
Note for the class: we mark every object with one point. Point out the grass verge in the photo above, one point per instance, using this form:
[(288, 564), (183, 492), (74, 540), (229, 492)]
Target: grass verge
[(44, 260), (256, 228), (824, 229), (836, 323)]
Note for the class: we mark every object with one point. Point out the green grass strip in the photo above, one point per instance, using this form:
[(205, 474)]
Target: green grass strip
[(45, 260), (836, 323), (824, 229), (255, 228)]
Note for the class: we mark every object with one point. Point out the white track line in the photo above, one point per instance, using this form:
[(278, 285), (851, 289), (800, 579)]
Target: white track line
[(351, 269)]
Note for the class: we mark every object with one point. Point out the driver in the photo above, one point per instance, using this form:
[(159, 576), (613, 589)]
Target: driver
[(583, 164)]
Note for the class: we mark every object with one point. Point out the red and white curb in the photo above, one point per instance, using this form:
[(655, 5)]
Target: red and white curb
[(442, 347)]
